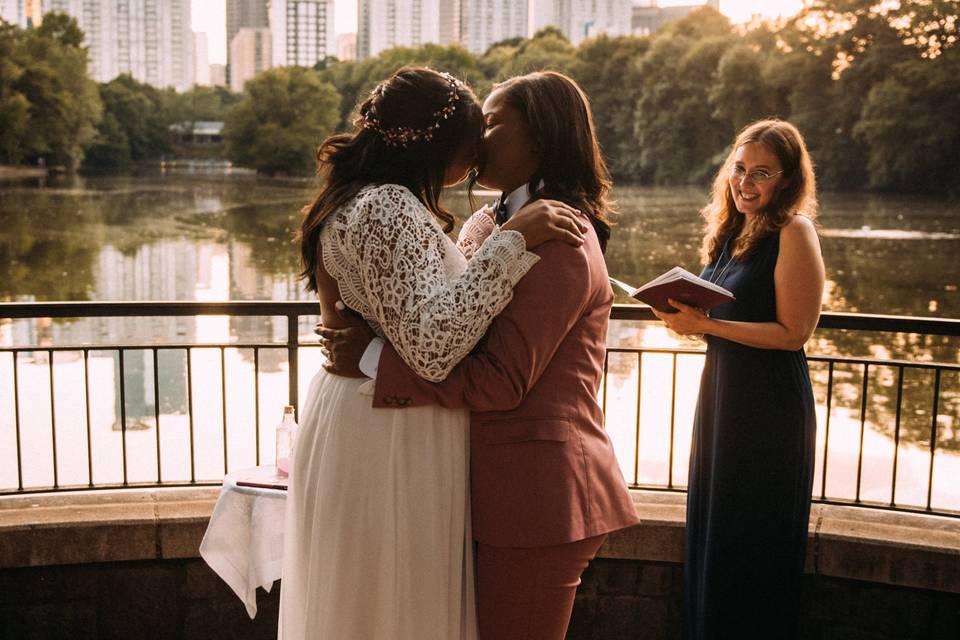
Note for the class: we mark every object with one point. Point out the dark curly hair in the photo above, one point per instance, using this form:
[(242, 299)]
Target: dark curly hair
[(410, 99)]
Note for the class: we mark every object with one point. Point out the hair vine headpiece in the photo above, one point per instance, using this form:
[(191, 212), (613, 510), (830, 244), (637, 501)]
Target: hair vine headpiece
[(402, 136)]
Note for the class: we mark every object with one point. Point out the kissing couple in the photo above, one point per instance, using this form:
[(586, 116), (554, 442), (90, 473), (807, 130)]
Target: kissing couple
[(462, 491)]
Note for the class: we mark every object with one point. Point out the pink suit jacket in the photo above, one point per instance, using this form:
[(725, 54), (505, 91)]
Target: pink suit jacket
[(542, 469)]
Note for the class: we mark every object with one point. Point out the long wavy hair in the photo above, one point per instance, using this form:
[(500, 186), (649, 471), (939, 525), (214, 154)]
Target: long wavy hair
[(796, 196), (347, 162), (558, 117)]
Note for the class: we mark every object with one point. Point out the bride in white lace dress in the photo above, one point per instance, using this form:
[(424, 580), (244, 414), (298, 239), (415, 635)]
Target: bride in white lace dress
[(378, 542)]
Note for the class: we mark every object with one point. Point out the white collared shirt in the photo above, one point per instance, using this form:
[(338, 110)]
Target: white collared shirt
[(516, 199)]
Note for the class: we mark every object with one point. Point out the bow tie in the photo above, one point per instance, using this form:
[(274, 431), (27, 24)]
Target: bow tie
[(501, 212)]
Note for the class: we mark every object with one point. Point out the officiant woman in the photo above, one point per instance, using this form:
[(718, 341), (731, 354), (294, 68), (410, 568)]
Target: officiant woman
[(751, 463)]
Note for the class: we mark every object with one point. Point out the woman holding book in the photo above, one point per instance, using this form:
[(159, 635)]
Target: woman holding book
[(751, 464)]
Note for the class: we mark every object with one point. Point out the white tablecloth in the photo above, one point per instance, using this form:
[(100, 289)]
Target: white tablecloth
[(243, 543)]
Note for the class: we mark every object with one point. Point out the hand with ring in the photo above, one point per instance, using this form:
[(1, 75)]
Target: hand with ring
[(343, 347)]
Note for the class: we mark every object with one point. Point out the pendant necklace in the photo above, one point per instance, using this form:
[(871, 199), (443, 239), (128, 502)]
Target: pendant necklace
[(723, 271)]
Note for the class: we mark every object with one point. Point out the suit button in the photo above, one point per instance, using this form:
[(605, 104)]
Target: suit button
[(389, 400), (403, 401)]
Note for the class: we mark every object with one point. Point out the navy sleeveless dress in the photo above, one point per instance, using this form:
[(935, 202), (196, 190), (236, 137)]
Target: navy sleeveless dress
[(751, 470)]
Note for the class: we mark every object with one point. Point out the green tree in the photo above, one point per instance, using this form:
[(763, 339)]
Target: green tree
[(354, 80), (680, 139), (14, 106), (740, 94), (204, 104), (606, 69), (135, 114), (50, 106), (548, 49), (913, 148), (284, 115)]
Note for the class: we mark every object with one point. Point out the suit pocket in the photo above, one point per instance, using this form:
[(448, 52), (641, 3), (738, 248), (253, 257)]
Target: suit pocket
[(526, 430)]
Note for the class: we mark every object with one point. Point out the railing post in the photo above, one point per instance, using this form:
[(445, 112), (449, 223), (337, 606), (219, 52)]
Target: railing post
[(293, 340)]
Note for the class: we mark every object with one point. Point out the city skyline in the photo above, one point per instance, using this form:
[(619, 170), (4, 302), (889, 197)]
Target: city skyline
[(210, 17)]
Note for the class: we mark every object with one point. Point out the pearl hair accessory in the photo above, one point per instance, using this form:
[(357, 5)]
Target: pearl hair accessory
[(402, 136)]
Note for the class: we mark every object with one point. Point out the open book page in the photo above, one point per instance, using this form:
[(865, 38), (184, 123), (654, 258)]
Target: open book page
[(677, 284), (627, 289), (679, 273)]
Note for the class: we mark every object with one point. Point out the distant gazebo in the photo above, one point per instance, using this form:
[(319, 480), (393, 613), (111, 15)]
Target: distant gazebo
[(198, 133)]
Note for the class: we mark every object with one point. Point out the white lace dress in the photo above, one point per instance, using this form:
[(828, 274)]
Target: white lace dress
[(378, 543)]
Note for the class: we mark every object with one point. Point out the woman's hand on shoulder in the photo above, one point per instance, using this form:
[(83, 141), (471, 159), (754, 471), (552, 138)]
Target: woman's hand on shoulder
[(545, 220)]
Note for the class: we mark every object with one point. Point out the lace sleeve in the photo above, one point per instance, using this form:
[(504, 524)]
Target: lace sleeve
[(475, 230), (432, 321)]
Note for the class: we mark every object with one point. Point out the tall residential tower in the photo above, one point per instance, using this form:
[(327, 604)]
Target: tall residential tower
[(149, 39), (302, 32), (384, 24), (244, 14), (484, 22)]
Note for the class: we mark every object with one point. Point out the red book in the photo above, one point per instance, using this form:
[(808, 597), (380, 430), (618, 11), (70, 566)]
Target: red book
[(265, 477), (678, 284)]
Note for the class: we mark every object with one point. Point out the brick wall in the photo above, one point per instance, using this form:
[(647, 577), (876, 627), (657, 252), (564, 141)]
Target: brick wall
[(625, 599), (619, 599)]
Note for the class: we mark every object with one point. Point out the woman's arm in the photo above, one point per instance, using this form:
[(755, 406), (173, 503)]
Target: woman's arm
[(539, 221), (475, 230), (397, 253), (798, 284)]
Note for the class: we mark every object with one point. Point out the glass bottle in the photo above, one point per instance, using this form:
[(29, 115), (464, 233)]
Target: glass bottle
[(286, 439)]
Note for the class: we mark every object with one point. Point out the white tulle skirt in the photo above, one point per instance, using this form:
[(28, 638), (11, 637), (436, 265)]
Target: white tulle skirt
[(377, 540)]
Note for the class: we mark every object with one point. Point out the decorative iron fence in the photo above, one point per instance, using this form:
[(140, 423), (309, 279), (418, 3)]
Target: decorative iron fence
[(87, 443)]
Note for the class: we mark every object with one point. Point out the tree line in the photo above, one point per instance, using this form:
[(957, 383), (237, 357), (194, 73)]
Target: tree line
[(874, 86)]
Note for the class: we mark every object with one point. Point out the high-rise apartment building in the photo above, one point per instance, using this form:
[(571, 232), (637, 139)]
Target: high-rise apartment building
[(245, 14), (541, 15), (384, 24), (582, 19), (347, 46), (201, 59), (250, 53), (218, 75), (149, 39), (14, 12), (23, 13), (649, 17), (484, 22), (450, 19), (302, 31)]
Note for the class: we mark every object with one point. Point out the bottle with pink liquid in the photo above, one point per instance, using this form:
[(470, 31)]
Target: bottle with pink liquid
[(286, 439)]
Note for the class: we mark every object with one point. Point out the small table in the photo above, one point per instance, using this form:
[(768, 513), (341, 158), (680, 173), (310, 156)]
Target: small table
[(243, 543)]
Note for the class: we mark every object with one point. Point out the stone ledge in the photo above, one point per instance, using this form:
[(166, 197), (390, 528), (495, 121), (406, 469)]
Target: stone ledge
[(103, 526), (916, 551), (856, 543)]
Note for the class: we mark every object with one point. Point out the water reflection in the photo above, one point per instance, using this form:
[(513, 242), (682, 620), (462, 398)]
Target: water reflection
[(203, 237)]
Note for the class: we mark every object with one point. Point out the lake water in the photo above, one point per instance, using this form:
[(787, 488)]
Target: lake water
[(229, 237)]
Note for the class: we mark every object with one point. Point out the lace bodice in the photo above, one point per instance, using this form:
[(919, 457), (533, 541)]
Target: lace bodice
[(396, 267)]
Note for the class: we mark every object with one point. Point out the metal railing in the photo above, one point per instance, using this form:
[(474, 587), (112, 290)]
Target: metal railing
[(294, 314)]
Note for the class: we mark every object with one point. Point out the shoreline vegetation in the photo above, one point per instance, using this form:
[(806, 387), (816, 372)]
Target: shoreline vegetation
[(873, 85), (21, 172)]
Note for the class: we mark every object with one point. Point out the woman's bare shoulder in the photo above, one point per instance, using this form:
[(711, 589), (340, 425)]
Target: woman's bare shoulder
[(799, 228)]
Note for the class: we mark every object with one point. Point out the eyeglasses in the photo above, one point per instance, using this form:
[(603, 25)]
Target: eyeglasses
[(739, 173)]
